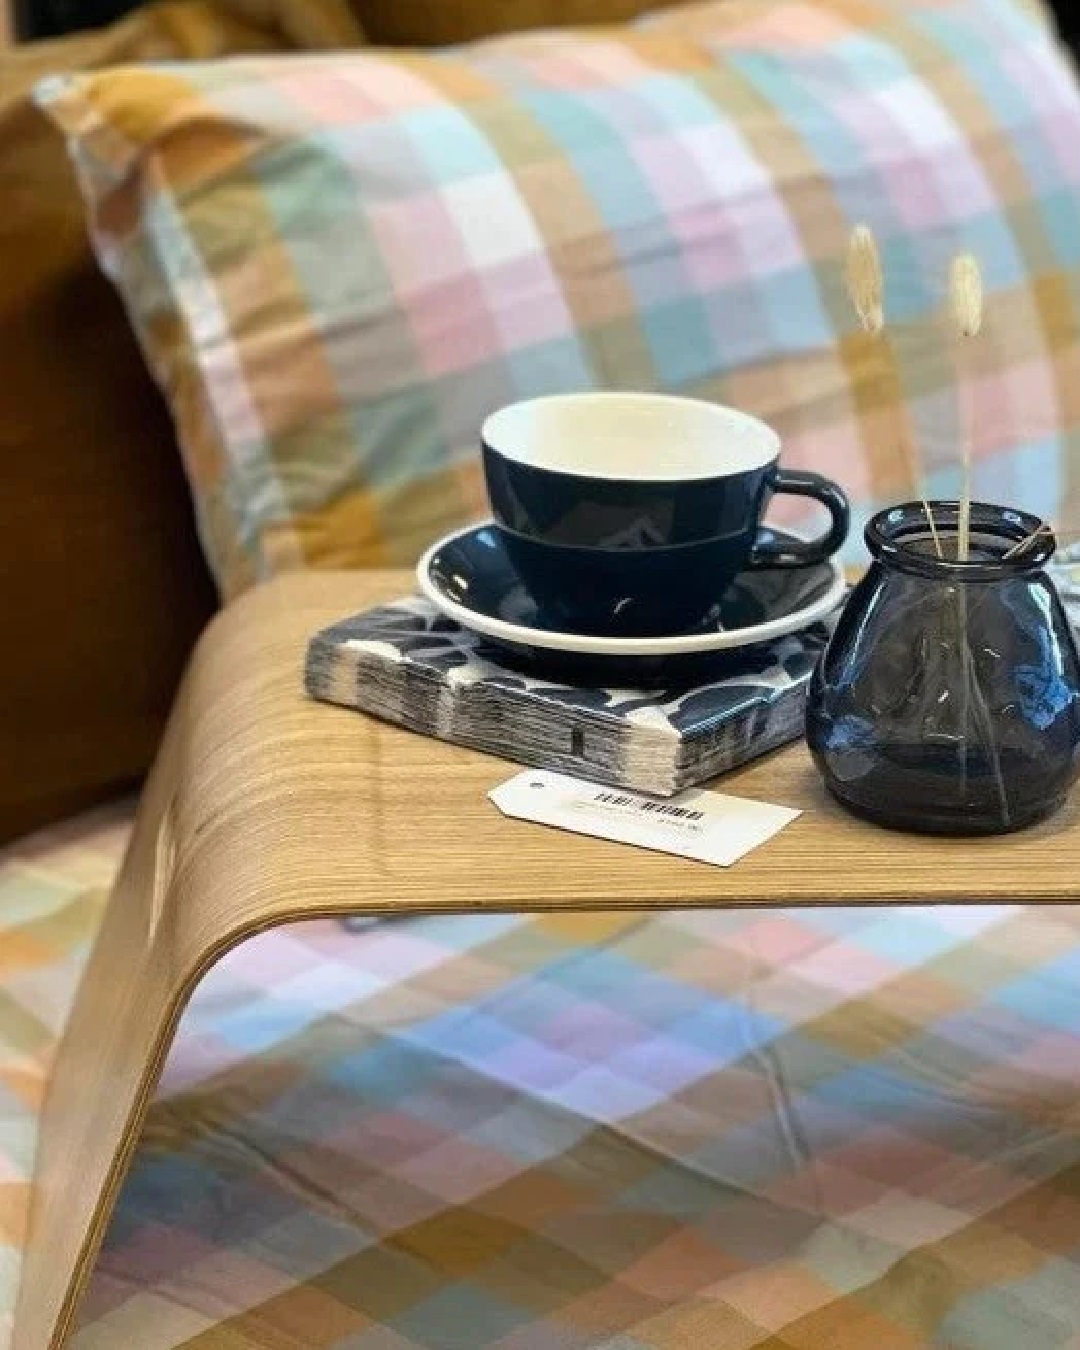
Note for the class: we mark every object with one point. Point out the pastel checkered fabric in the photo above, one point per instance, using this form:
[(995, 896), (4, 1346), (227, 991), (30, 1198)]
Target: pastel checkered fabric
[(53, 888), (338, 265), (802, 1130)]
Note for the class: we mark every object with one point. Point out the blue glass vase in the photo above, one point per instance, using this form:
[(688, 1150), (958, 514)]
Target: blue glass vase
[(948, 700)]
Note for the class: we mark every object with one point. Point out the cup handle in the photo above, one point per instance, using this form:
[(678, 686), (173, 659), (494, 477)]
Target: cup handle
[(769, 551)]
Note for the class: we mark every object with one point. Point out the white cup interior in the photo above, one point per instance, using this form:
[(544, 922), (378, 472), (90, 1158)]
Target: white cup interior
[(644, 437)]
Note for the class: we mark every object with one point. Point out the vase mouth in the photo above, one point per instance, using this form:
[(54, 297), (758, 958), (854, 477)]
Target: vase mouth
[(1004, 542)]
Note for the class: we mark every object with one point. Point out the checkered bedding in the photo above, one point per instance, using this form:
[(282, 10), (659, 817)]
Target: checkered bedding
[(800, 1129)]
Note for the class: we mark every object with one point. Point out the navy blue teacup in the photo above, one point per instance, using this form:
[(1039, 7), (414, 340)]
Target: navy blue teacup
[(630, 514)]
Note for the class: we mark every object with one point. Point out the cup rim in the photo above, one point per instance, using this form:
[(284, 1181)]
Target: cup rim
[(498, 426)]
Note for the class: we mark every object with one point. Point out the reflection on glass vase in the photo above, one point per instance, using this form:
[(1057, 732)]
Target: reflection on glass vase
[(948, 700)]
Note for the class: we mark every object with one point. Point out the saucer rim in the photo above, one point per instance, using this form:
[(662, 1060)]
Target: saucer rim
[(584, 644)]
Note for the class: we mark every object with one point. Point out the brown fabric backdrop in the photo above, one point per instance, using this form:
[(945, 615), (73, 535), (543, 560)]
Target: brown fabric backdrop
[(102, 584), (429, 23)]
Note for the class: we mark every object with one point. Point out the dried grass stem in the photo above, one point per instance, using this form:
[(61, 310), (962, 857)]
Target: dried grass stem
[(966, 304), (865, 283)]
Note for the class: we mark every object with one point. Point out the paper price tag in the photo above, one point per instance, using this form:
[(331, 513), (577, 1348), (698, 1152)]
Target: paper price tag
[(706, 826)]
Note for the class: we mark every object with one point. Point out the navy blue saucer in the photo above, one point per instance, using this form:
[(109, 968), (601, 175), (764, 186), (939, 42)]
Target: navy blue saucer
[(469, 576)]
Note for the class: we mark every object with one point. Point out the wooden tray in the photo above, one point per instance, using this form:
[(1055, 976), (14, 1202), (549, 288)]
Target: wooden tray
[(265, 808)]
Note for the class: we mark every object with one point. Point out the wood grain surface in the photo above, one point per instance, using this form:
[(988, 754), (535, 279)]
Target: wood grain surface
[(265, 808)]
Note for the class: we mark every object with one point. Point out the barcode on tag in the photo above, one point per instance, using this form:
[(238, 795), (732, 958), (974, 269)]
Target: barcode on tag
[(702, 825), (661, 808)]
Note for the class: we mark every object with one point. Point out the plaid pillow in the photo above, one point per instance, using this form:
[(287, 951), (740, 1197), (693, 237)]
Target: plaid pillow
[(338, 265)]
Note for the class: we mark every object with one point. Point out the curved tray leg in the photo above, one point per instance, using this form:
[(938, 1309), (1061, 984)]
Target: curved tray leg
[(123, 1021), (185, 896), (138, 981)]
